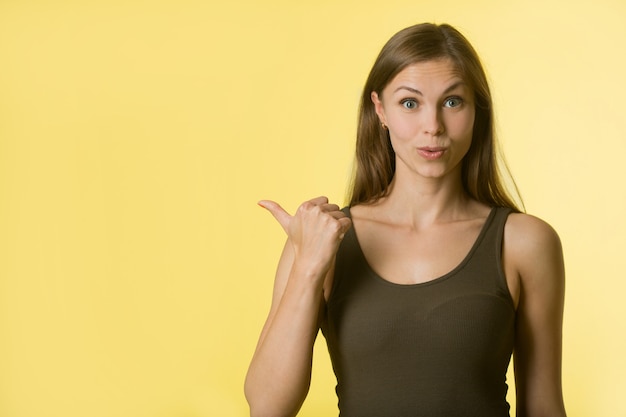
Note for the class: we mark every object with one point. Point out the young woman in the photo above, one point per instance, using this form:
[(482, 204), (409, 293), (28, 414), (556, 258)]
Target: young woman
[(432, 277)]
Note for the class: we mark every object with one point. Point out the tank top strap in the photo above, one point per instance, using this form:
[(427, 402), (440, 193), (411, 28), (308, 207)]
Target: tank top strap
[(488, 252)]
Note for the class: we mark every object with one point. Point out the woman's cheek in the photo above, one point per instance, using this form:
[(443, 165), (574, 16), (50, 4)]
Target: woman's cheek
[(403, 129)]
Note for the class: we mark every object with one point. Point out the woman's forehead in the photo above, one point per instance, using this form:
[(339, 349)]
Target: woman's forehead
[(440, 71)]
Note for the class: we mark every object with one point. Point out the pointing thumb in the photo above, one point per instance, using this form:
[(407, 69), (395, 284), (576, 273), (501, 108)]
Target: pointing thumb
[(278, 212)]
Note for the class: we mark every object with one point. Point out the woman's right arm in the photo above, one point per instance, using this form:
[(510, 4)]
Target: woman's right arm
[(280, 372)]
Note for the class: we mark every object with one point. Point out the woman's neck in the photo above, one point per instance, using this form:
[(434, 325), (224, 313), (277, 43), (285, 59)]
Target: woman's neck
[(421, 201)]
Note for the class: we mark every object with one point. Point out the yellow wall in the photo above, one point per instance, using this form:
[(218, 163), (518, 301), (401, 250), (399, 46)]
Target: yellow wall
[(137, 136)]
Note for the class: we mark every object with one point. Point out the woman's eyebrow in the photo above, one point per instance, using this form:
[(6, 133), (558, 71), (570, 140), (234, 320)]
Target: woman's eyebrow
[(418, 92)]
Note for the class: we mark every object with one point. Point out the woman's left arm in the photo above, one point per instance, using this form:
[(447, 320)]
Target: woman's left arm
[(533, 253)]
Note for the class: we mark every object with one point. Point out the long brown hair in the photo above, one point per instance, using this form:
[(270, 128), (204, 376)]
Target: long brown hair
[(375, 158)]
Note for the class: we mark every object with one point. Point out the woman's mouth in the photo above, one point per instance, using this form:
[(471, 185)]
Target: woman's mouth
[(431, 154)]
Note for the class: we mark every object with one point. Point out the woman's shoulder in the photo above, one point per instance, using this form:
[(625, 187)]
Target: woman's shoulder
[(530, 240), (528, 230), (365, 212)]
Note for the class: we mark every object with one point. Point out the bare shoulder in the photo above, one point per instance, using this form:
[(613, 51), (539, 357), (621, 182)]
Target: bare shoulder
[(365, 211), (533, 249), (527, 235)]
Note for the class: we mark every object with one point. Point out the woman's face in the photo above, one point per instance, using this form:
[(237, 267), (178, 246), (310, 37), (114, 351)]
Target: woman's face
[(429, 111)]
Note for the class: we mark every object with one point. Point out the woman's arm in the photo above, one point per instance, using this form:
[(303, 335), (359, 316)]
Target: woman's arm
[(533, 253), (280, 372)]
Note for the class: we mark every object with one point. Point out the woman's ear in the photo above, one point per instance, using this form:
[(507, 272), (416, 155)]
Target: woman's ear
[(378, 106)]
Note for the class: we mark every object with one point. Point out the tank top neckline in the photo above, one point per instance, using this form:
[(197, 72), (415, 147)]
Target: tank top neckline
[(436, 280)]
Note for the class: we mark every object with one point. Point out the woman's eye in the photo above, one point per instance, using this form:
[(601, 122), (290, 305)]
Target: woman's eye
[(453, 102), (409, 104)]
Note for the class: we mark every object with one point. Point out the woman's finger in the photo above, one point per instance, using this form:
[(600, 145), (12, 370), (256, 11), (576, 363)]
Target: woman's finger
[(319, 201), (278, 212), (329, 208)]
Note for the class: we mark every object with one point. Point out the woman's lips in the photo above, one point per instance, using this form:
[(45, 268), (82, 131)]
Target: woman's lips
[(431, 153)]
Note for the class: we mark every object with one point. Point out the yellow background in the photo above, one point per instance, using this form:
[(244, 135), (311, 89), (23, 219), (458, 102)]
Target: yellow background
[(137, 136)]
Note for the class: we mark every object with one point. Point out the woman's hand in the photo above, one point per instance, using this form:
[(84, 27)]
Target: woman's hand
[(315, 231), (280, 372)]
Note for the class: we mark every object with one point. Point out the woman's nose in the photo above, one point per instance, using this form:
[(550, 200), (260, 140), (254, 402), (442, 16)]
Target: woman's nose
[(433, 124)]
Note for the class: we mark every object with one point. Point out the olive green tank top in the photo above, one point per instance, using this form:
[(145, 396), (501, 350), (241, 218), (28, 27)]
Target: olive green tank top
[(436, 349)]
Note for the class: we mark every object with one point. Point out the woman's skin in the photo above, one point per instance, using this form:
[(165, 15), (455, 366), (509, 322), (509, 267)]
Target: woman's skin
[(421, 230), (280, 373)]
